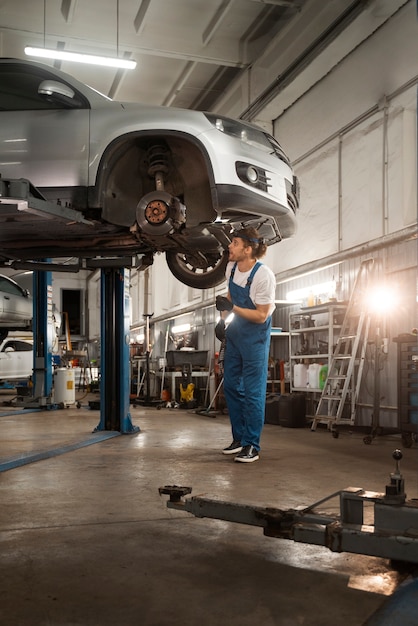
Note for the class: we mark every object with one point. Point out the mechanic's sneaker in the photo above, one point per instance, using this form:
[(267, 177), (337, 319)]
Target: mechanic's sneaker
[(247, 455), (233, 448)]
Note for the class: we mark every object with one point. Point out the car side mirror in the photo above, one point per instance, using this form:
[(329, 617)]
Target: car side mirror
[(9, 349), (54, 91)]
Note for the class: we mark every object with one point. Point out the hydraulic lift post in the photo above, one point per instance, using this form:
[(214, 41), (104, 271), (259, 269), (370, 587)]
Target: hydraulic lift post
[(42, 389), (114, 356)]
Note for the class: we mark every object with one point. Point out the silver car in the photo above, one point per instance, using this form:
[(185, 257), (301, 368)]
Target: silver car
[(108, 179), (16, 307)]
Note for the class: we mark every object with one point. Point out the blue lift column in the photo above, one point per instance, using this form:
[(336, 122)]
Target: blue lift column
[(42, 340), (114, 352)]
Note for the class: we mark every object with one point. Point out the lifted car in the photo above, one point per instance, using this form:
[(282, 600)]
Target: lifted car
[(16, 307), (130, 179)]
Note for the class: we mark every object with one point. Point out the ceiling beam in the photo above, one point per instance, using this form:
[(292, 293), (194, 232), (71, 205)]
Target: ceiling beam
[(281, 3), (140, 16), (179, 84), (216, 20), (68, 9)]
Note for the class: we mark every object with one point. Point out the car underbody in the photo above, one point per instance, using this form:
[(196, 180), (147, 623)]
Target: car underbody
[(147, 216)]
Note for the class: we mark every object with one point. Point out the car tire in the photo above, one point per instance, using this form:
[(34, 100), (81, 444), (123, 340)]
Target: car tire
[(181, 266)]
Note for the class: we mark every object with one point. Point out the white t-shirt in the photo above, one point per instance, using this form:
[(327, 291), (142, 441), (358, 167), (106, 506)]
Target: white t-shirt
[(263, 286)]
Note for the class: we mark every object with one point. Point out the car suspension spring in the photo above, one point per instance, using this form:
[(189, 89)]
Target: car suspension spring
[(157, 156)]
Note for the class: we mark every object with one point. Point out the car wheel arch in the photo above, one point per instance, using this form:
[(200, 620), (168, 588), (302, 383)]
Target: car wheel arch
[(122, 178)]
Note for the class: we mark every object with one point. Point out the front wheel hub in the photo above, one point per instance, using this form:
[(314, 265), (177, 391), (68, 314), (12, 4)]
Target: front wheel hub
[(159, 213), (156, 212)]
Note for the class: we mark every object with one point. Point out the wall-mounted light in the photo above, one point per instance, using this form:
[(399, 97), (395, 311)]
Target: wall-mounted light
[(63, 55), (181, 328), (381, 299), (140, 338)]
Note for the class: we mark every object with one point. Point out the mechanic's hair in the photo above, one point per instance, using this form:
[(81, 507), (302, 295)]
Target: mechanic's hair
[(252, 238)]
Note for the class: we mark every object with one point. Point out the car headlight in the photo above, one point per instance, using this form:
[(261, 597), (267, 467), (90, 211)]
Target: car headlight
[(249, 134)]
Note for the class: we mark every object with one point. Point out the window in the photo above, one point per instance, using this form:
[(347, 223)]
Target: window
[(19, 89), (18, 346), (8, 287)]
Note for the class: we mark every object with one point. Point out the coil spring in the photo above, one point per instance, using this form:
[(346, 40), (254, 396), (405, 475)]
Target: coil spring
[(157, 159)]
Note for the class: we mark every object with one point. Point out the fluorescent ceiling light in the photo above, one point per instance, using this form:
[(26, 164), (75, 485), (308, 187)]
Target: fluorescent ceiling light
[(63, 55)]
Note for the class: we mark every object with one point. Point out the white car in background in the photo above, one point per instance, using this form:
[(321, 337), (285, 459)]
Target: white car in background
[(16, 359), (127, 179), (16, 307)]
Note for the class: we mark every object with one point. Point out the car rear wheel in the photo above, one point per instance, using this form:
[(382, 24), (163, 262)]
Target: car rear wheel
[(200, 272)]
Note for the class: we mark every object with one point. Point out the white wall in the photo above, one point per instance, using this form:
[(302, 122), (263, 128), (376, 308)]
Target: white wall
[(358, 176)]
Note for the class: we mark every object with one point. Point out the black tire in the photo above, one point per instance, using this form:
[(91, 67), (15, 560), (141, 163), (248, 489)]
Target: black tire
[(182, 267), (3, 334)]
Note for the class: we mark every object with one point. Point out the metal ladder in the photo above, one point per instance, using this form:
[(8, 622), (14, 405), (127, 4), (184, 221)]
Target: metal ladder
[(346, 365)]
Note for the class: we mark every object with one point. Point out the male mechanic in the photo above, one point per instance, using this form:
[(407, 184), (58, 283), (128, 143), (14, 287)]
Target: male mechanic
[(251, 295)]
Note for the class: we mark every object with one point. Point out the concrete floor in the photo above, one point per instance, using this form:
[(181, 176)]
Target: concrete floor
[(87, 540)]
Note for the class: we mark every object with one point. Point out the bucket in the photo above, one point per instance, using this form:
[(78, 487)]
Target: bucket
[(323, 373), (300, 375), (313, 375), (64, 386)]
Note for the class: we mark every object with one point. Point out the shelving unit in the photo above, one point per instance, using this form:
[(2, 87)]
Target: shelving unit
[(407, 387), (313, 332), (273, 383)]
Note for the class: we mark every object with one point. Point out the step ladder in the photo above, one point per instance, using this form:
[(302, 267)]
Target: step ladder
[(342, 385)]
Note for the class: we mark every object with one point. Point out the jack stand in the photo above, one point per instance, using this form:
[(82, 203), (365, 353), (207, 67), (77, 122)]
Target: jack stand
[(395, 491), (394, 534)]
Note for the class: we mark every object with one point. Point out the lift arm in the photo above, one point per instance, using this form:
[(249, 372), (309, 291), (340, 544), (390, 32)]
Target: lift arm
[(394, 534)]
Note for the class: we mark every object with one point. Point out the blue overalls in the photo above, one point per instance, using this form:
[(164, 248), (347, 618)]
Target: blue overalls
[(245, 367)]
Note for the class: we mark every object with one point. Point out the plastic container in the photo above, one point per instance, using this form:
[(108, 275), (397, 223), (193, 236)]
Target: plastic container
[(271, 415), (300, 375), (64, 386), (292, 410), (313, 375), (323, 373)]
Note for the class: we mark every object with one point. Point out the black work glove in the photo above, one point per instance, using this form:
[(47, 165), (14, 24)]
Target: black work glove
[(220, 330), (223, 304)]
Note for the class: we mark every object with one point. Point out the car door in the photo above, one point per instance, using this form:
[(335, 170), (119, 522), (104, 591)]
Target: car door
[(15, 304), (42, 140), (8, 362)]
